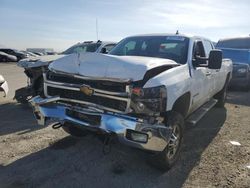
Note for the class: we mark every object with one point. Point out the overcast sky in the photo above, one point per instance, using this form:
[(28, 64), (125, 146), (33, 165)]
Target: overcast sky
[(59, 24)]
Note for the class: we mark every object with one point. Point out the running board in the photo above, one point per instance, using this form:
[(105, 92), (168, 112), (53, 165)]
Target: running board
[(200, 112)]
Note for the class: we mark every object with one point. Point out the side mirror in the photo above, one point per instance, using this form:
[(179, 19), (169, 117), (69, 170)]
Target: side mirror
[(104, 50), (215, 59)]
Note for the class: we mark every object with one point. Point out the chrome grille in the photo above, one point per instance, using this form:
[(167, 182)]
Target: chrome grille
[(115, 99), (103, 85), (77, 95)]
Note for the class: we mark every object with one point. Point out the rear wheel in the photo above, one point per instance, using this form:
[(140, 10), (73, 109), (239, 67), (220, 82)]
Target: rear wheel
[(221, 97), (167, 158), (74, 130)]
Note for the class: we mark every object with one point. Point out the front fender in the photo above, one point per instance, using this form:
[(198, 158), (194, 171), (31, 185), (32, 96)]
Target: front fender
[(177, 81)]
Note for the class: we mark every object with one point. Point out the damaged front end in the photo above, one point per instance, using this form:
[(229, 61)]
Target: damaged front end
[(34, 85), (134, 114), (33, 69)]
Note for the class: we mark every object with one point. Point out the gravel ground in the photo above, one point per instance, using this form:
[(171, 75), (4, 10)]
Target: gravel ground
[(34, 156)]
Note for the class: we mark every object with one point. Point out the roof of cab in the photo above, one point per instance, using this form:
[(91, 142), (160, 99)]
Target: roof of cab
[(170, 34)]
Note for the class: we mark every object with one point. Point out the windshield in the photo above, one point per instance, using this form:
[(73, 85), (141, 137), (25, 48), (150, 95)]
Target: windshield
[(85, 47), (168, 47), (239, 43)]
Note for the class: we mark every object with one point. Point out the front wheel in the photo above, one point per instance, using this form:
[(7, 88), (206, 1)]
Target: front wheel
[(167, 158)]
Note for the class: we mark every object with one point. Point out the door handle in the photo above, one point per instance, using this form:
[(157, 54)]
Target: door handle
[(208, 73)]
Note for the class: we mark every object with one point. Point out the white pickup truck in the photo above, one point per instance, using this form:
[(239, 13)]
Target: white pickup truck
[(142, 91)]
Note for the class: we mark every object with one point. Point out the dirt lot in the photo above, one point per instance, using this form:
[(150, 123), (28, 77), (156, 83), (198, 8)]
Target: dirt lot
[(34, 156)]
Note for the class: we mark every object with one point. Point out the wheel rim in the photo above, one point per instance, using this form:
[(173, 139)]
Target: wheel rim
[(174, 142)]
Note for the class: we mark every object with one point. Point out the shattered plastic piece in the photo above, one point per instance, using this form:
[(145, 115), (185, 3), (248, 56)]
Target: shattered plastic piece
[(235, 143)]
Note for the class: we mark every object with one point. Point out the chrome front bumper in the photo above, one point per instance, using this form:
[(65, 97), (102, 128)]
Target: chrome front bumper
[(47, 110)]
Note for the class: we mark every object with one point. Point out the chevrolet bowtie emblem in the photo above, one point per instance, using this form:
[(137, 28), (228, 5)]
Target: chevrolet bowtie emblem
[(86, 90)]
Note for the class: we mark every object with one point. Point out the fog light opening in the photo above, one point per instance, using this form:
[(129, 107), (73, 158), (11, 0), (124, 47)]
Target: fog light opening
[(137, 136)]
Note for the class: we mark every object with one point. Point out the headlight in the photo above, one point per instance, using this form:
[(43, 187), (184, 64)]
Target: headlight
[(242, 71), (149, 100)]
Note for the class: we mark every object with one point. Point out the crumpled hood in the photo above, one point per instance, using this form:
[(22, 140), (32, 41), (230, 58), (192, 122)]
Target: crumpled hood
[(108, 66), (38, 61)]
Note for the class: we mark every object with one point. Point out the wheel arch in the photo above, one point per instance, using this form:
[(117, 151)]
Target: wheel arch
[(182, 104)]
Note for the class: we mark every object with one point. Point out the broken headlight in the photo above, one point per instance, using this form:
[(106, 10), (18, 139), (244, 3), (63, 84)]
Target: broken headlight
[(149, 100)]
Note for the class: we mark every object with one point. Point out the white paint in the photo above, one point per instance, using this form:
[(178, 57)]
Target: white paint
[(178, 80), (108, 66), (38, 61), (201, 87), (45, 60), (235, 143)]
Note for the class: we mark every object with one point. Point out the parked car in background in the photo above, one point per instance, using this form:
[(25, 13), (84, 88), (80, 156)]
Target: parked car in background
[(3, 86), (20, 55), (34, 66), (29, 54), (38, 53), (44, 51), (142, 92), (91, 46), (238, 50), (7, 57)]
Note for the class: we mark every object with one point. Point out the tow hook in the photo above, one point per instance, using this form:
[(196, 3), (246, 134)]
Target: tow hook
[(107, 143), (56, 125)]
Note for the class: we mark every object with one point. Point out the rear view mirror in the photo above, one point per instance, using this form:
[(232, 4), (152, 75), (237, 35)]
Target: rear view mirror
[(215, 59)]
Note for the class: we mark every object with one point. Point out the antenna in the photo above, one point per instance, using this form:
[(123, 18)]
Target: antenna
[(96, 28)]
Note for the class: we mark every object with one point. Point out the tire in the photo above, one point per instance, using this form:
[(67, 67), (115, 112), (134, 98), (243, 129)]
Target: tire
[(221, 97), (166, 159), (74, 130)]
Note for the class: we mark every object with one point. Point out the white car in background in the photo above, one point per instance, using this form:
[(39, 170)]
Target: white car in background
[(3, 86), (34, 66)]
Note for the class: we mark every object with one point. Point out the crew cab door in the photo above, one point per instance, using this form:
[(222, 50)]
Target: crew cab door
[(202, 83)]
